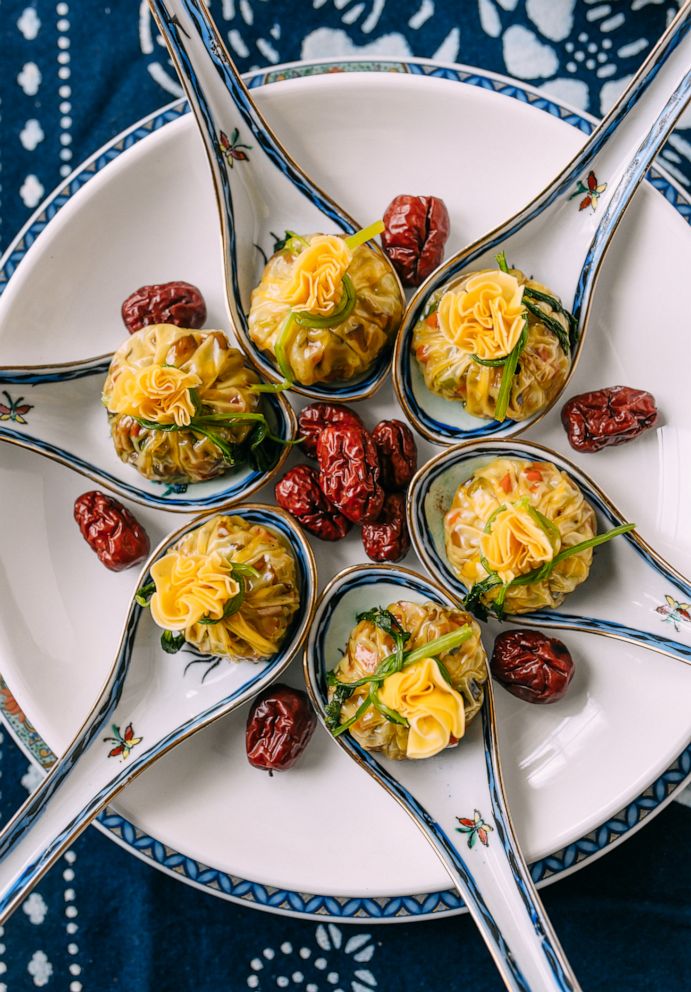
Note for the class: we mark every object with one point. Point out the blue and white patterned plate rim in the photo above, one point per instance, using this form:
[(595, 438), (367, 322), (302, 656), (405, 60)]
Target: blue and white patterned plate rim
[(364, 909)]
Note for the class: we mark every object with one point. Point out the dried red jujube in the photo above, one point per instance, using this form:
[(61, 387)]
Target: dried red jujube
[(315, 417), (416, 231), (397, 454), (178, 303), (299, 493), (349, 473), (609, 416), (531, 665), (279, 726), (111, 530), (388, 538)]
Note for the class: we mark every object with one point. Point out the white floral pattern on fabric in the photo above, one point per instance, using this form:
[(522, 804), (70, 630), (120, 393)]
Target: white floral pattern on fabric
[(29, 79), (40, 968), (581, 53), (334, 964), (31, 778), (35, 908), (31, 191), (31, 134), (29, 23)]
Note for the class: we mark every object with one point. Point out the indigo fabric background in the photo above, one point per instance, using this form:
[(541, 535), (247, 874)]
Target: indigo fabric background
[(72, 75)]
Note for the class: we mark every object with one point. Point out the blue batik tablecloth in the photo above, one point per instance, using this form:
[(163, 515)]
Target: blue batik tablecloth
[(73, 74)]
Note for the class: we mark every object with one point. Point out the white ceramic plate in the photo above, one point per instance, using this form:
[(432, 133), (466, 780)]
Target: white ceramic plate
[(321, 839)]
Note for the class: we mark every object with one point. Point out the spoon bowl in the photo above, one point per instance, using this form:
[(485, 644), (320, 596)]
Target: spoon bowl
[(630, 587), (149, 703), (456, 798), (57, 412), (560, 237)]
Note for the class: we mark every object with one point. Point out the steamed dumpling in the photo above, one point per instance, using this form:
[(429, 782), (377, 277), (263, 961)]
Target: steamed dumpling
[(196, 581), (511, 518), (169, 375), (437, 711), (314, 279), (481, 319)]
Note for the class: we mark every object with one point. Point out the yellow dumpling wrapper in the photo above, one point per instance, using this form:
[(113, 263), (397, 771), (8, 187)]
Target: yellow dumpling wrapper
[(432, 707), (315, 283), (156, 392), (517, 544), (189, 587), (484, 317)]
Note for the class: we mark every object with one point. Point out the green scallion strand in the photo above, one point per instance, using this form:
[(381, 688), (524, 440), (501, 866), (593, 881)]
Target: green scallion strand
[(282, 342), (344, 309), (365, 234), (501, 261), (550, 323), (447, 642), (504, 395), (239, 571)]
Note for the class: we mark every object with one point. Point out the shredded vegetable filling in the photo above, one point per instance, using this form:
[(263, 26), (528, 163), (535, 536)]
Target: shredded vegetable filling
[(497, 341), (228, 587), (411, 680), (326, 307)]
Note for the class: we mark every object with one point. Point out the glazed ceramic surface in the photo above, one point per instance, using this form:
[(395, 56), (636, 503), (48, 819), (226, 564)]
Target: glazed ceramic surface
[(478, 848), (145, 708), (561, 238), (65, 420), (579, 775)]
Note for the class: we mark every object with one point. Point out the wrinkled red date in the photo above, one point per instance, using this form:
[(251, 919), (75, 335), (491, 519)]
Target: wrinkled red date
[(607, 416), (416, 230), (315, 417), (110, 530), (397, 454), (298, 492), (178, 303), (388, 538), (279, 726), (349, 473), (531, 665)]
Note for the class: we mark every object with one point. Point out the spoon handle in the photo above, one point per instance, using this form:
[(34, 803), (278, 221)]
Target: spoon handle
[(607, 173), (63, 805), (99, 762), (248, 163), (478, 848), (567, 228)]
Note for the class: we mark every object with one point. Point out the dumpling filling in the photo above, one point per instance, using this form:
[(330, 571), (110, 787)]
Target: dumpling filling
[(228, 587), (411, 680), (497, 341), (325, 308)]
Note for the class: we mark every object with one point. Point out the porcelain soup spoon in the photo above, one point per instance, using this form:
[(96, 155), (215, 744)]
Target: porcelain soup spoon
[(561, 237), (631, 593), (259, 190), (149, 704), (259, 187), (57, 412), (456, 798)]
